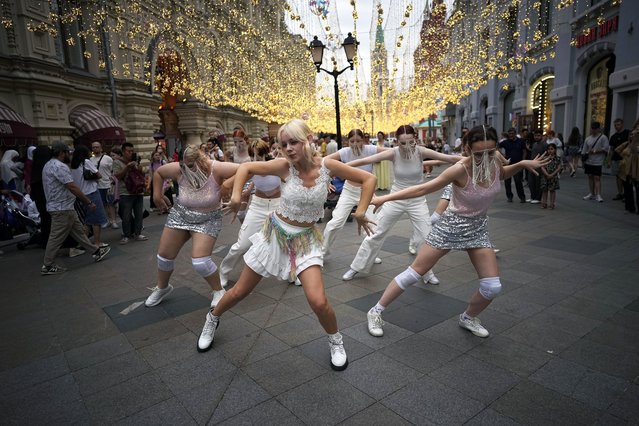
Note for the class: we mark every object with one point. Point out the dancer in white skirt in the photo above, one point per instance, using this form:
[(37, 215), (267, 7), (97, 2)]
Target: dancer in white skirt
[(196, 215), (351, 192), (463, 226), (408, 170), (290, 242), (265, 200)]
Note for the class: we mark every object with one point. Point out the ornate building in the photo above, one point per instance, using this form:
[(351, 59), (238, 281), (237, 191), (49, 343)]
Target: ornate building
[(589, 74), (57, 85)]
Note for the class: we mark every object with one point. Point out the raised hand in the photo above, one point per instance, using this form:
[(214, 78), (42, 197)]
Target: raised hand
[(537, 162)]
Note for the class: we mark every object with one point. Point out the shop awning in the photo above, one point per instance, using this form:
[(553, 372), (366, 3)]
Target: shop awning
[(15, 130), (91, 124)]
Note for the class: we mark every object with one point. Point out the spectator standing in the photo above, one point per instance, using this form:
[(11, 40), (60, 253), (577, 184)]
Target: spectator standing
[(104, 164), (573, 149), (593, 154), (629, 169), (61, 192), (457, 148), (127, 170), (538, 148), (331, 147), (514, 149), (86, 176), (9, 179), (620, 136), (550, 178)]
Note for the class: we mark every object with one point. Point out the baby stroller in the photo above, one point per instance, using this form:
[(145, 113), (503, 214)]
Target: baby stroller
[(19, 215)]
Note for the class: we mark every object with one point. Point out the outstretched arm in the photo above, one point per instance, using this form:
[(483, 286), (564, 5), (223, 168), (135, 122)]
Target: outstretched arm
[(449, 175), (532, 165), (434, 155), (387, 154)]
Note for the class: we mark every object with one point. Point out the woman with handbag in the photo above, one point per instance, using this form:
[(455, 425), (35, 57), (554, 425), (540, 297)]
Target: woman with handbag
[(86, 176), (593, 154)]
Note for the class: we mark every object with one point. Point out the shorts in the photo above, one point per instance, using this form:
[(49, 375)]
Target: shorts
[(97, 216), (589, 169), (455, 232), (283, 250)]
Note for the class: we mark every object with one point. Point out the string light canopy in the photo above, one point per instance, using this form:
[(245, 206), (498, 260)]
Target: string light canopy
[(242, 53)]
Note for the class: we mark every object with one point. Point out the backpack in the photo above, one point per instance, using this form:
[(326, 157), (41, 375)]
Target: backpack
[(135, 182)]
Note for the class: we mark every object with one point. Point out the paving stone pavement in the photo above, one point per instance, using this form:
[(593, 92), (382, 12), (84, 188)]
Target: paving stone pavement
[(564, 343)]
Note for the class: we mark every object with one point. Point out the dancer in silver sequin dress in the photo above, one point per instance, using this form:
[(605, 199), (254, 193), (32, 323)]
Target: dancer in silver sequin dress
[(197, 215), (476, 182)]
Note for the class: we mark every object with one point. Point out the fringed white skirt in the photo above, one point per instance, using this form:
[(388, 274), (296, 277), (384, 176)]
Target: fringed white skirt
[(283, 250)]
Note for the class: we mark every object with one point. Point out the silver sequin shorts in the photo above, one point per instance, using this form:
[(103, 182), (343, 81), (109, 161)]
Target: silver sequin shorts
[(454, 232), (209, 223)]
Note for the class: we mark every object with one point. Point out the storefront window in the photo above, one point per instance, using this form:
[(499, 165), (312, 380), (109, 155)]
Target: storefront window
[(540, 102), (597, 101)]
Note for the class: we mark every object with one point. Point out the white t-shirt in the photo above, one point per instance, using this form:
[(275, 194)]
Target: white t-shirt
[(346, 155), (86, 186), (105, 169)]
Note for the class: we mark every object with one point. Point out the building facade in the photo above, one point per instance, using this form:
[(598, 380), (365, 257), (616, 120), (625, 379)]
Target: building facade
[(588, 74), (66, 88)]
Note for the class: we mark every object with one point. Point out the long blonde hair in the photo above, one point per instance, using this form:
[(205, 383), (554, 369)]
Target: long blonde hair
[(298, 129), (199, 174)]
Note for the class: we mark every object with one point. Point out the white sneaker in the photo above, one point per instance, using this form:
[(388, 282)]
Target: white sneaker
[(411, 249), (599, 199), (375, 324), (141, 237), (429, 277), (529, 200), (377, 261), (535, 201), (495, 250), (115, 225), (105, 225), (124, 240), (473, 325), (157, 295), (205, 342), (339, 360), (349, 275), (589, 197), (217, 296)]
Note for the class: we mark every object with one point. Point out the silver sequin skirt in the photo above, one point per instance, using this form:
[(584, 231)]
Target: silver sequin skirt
[(454, 232), (209, 223)]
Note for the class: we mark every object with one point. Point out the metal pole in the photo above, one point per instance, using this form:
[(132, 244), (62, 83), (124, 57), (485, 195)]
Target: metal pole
[(372, 123), (338, 136)]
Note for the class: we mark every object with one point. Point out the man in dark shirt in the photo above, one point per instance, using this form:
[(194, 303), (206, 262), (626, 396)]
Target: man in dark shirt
[(620, 136), (514, 148), (534, 181)]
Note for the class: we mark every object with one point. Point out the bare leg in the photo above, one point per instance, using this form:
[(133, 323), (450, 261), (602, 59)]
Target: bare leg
[(425, 260), (485, 263), (202, 247), (97, 233), (171, 243), (553, 194), (596, 185), (313, 286), (244, 286)]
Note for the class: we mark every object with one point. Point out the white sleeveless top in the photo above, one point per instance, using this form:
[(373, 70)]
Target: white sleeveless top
[(407, 172), (346, 155), (300, 203)]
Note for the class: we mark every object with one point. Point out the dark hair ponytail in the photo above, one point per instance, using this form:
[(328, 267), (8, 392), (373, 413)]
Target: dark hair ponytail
[(481, 133), (354, 132), (405, 130)]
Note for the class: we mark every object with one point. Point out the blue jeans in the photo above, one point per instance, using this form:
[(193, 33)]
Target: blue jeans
[(131, 210)]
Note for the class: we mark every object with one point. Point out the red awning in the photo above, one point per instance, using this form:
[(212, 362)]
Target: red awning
[(91, 125), (15, 130)]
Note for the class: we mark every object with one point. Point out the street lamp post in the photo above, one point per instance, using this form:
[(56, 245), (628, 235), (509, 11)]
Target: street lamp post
[(317, 52)]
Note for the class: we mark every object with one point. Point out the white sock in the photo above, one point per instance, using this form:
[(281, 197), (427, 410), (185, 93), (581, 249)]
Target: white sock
[(466, 316), (377, 309)]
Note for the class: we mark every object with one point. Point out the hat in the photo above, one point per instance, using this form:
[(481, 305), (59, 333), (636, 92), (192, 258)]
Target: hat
[(595, 125), (59, 147)]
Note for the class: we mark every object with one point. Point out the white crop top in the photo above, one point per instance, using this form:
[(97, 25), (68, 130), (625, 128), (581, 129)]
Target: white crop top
[(300, 203), (267, 183), (346, 155)]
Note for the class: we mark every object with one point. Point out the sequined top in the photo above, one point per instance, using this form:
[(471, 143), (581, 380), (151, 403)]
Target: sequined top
[(300, 203), (474, 200), (206, 198)]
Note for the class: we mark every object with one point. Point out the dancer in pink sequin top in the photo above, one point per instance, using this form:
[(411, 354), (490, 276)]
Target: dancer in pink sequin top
[(463, 226)]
